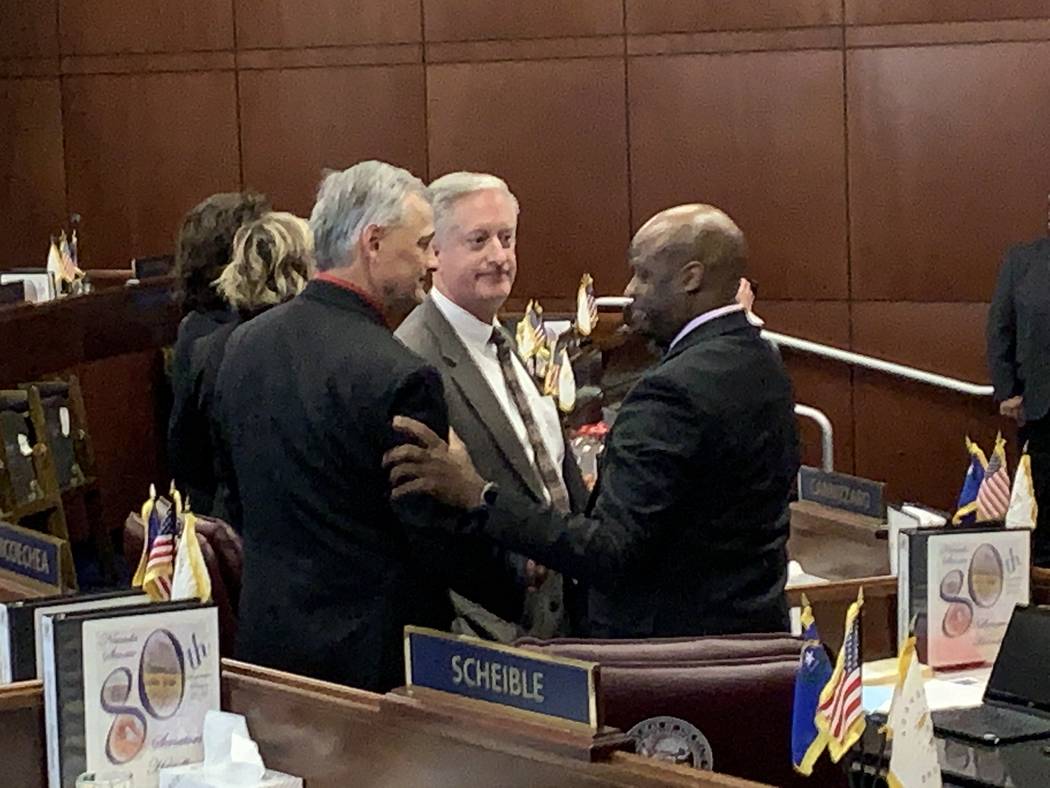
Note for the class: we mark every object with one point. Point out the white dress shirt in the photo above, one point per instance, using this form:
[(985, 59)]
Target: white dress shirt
[(706, 317), (475, 335)]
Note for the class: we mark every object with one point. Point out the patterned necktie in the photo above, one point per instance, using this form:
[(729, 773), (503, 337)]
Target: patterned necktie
[(544, 464)]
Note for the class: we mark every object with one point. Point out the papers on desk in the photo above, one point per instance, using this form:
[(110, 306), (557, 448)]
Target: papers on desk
[(942, 692)]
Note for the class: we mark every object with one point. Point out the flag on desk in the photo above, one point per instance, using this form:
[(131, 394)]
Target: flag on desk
[(913, 763), (993, 497), (150, 527), (586, 307), (966, 509), (840, 715), (190, 579), (1023, 509), (54, 264), (814, 671), (156, 580)]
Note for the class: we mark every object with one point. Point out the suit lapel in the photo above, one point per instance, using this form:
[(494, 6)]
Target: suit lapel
[(477, 393)]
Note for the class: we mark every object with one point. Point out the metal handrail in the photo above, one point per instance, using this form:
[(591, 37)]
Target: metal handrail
[(827, 434), (851, 358), (879, 365)]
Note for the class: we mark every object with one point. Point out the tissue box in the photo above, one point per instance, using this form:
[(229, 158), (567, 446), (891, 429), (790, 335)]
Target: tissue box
[(193, 775)]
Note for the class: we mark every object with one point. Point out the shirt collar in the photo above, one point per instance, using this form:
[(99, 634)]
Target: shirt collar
[(706, 317), (331, 279), (475, 333)]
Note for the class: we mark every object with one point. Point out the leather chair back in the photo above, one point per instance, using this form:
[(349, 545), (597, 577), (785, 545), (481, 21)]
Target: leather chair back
[(738, 691), (663, 649)]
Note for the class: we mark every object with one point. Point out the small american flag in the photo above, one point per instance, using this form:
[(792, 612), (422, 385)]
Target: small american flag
[(993, 497), (840, 714), (161, 561)]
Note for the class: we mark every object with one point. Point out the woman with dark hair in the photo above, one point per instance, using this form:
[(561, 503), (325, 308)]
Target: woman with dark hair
[(202, 250), (272, 260)]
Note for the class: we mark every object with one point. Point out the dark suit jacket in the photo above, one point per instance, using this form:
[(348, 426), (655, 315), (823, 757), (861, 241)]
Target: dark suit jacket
[(479, 420), (1019, 328), (189, 440), (687, 530), (332, 571)]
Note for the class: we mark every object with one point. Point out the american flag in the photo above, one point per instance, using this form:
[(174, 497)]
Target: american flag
[(586, 306), (993, 498), (840, 714), (161, 561)]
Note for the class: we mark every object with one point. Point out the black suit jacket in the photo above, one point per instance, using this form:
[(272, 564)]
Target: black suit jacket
[(686, 533), (1019, 328), (479, 420), (332, 571), (200, 342)]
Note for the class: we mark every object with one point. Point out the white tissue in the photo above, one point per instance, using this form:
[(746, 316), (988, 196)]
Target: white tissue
[(230, 755), (231, 760)]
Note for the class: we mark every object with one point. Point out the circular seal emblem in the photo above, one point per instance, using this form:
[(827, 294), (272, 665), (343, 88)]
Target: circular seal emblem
[(986, 575), (672, 739)]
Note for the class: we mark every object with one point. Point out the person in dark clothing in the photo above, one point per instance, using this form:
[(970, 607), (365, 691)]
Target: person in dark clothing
[(686, 532), (332, 570), (272, 262), (1019, 362), (202, 251)]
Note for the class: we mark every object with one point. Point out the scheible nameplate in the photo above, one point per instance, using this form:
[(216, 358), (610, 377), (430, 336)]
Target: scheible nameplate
[(513, 677)]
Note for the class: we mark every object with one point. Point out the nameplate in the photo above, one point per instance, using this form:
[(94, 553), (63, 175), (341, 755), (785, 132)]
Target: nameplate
[(30, 554), (517, 679), (840, 491)]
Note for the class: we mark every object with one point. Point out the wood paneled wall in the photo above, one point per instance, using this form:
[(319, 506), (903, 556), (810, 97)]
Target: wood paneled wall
[(880, 154)]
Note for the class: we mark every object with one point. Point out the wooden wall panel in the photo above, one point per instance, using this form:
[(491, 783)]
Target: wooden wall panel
[(678, 16), (311, 23), (475, 20), (913, 436), (563, 153), (284, 156), (738, 131), (878, 12), (821, 384), (32, 178), (104, 26), (944, 338), (153, 105), (142, 150), (945, 173), (28, 28)]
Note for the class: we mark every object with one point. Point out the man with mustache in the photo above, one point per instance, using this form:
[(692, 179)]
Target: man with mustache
[(687, 531), (512, 432)]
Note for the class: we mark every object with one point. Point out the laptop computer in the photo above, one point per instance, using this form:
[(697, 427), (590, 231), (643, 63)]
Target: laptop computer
[(1016, 703)]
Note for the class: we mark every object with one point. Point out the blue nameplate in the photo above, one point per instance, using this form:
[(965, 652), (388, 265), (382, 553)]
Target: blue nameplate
[(840, 491), (30, 554), (514, 677)]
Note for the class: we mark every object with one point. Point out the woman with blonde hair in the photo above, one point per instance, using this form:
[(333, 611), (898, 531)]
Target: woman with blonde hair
[(272, 260)]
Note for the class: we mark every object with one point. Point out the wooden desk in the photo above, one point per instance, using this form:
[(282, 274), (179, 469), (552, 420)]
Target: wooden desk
[(335, 736), (112, 341)]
